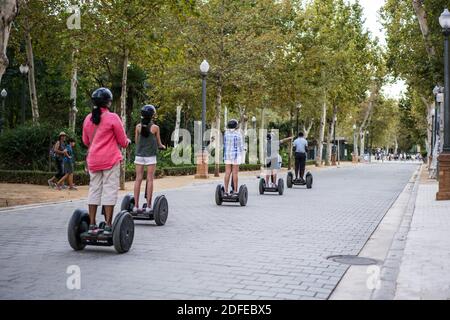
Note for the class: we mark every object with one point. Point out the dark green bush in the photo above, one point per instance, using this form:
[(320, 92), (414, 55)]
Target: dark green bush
[(27, 147)]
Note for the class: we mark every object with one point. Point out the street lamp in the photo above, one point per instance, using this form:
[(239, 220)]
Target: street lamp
[(444, 157), (202, 168), (24, 71), (204, 68), (4, 93)]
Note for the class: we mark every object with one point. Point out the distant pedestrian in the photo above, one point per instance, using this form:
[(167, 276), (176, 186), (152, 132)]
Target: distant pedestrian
[(68, 165), (58, 151)]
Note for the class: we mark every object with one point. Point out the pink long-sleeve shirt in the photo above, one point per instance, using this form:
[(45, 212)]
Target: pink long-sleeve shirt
[(104, 153)]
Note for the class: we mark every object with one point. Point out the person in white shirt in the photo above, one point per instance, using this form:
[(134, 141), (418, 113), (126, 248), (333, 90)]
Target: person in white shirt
[(300, 148)]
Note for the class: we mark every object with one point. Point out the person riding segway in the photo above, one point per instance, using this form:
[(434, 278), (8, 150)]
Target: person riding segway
[(301, 149), (103, 134), (233, 157), (148, 141)]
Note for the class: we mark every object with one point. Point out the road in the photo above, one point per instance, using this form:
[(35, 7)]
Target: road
[(275, 248)]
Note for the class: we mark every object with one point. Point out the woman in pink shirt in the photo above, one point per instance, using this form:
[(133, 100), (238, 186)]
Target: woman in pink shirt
[(103, 134)]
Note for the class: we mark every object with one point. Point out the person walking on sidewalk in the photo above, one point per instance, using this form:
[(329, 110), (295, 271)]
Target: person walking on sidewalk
[(58, 151), (300, 148), (103, 134), (148, 140), (68, 165)]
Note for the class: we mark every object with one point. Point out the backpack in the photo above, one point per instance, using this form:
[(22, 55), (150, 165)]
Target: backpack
[(52, 152)]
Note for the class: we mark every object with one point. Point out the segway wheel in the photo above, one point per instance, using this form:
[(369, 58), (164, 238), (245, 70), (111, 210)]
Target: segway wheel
[(243, 195), (280, 186), (309, 181), (127, 203), (262, 185), (160, 210), (290, 178), (123, 232), (219, 195), (79, 223)]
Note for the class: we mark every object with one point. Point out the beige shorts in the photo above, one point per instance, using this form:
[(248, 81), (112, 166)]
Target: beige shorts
[(104, 186)]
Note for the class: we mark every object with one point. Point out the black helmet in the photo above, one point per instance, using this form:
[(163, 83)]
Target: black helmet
[(148, 111), (232, 124), (101, 97)]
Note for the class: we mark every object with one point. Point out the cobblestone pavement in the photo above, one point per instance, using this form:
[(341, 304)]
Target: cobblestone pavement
[(275, 248)]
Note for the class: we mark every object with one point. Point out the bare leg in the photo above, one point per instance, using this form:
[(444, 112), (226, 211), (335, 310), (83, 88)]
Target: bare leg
[(274, 178), (137, 183), (150, 175), (61, 181), (92, 213), (109, 215), (70, 177), (227, 176), (235, 177), (267, 179)]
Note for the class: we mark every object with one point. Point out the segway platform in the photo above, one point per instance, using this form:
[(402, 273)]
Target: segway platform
[(308, 182), (159, 212), (121, 238), (264, 188), (240, 197)]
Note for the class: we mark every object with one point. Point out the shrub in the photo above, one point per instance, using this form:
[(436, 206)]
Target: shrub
[(27, 147)]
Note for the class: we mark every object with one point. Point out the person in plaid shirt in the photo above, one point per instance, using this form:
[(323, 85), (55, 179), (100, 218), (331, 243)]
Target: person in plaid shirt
[(233, 153)]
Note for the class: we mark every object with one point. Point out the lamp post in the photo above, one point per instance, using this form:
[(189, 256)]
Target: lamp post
[(24, 71), (4, 94), (334, 151), (444, 158), (202, 165)]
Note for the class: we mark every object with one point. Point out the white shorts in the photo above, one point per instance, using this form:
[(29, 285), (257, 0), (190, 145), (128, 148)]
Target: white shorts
[(145, 161), (104, 186)]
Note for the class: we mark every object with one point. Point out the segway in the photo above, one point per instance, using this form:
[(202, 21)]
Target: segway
[(158, 213), (279, 187), (121, 237), (240, 197), (308, 182)]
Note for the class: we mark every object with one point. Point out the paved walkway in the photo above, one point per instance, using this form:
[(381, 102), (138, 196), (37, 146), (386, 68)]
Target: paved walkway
[(425, 267), (275, 248)]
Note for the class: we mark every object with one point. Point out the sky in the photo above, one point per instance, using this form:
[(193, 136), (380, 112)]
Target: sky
[(371, 13)]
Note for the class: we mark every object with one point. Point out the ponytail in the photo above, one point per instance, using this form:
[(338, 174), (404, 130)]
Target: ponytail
[(145, 126), (96, 115)]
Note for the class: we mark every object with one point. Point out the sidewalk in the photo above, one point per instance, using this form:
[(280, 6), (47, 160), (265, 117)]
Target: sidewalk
[(425, 267), (411, 245)]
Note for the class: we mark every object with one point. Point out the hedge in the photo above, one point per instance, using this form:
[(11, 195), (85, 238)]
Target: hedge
[(82, 178)]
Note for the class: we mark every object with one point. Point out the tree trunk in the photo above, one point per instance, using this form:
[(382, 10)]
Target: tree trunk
[(323, 120), (73, 93), (31, 75), (291, 118), (421, 15), (396, 145), (261, 137), (129, 113), (225, 118), (8, 12), (430, 108), (123, 114), (330, 137), (307, 129), (177, 127)]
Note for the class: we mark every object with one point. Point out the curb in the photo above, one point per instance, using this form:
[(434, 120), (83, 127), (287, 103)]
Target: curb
[(391, 265)]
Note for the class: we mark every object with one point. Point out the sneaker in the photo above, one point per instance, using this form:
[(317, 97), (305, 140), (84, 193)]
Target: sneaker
[(73, 188), (107, 231), (93, 229), (135, 209), (51, 184), (63, 186), (148, 209)]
